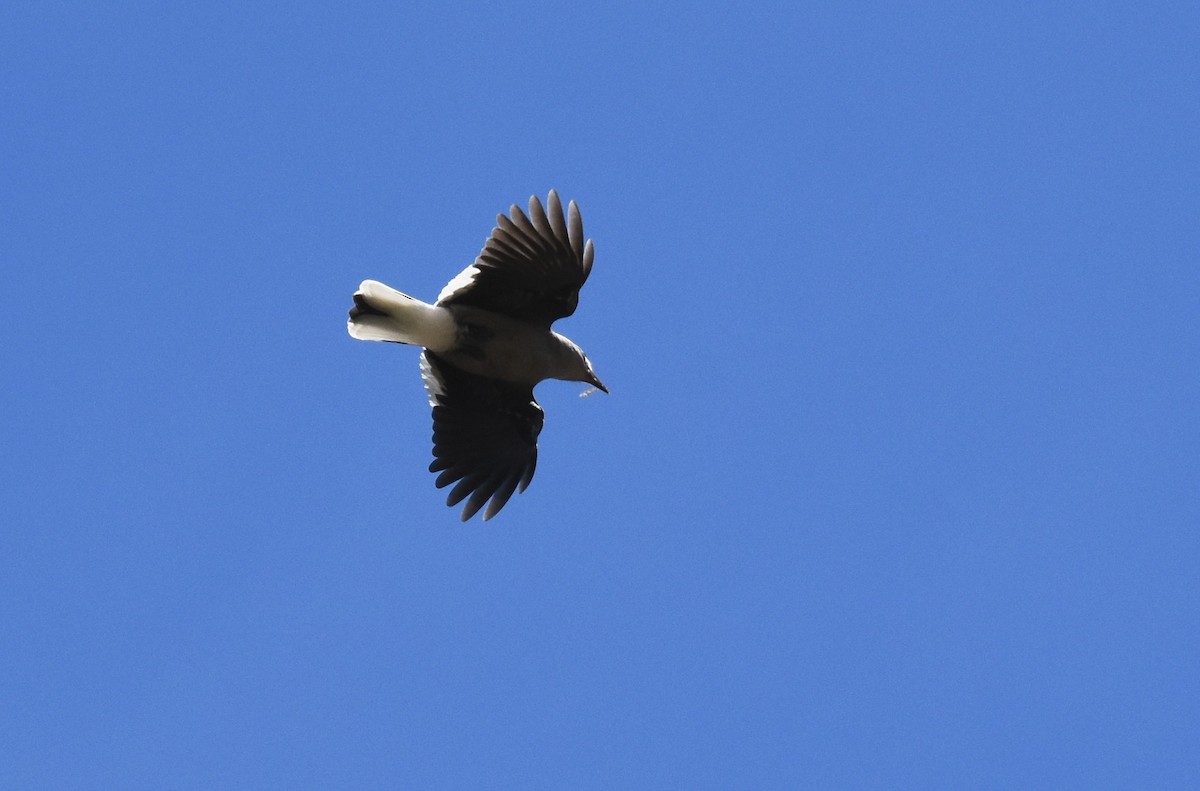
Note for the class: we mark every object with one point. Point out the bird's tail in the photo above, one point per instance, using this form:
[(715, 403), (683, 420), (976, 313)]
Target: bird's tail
[(381, 313)]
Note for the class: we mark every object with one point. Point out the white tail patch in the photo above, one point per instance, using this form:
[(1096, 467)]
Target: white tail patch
[(382, 313)]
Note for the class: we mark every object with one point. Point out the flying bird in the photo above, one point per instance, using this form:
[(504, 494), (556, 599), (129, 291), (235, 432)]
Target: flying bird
[(487, 341)]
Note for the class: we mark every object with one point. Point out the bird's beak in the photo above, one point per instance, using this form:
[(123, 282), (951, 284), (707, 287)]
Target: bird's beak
[(595, 380)]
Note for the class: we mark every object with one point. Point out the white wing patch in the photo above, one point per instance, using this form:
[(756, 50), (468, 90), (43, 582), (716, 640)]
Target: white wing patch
[(460, 282), (434, 386)]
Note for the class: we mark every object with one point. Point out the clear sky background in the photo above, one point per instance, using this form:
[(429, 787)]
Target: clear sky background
[(897, 485)]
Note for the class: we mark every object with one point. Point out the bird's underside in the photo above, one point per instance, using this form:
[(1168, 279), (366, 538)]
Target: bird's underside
[(487, 343)]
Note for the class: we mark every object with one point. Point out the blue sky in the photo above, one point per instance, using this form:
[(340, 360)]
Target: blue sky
[(897, 482)]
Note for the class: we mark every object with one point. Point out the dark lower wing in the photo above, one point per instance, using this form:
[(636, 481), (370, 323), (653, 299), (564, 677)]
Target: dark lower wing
[(484, 435)]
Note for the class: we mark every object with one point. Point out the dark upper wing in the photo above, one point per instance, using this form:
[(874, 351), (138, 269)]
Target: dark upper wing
[(484, 435), (531, 268)]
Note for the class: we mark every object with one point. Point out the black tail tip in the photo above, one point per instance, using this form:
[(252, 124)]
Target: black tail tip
[(363, 308)]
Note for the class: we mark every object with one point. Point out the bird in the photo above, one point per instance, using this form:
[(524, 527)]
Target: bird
[(486, 343)]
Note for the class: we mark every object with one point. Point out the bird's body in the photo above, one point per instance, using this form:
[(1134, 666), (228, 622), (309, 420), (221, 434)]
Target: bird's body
[(487, 343), (494, 345)]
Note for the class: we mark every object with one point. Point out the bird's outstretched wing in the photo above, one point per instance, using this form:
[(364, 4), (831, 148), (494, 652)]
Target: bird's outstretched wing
[(484, 435), (531, 268)]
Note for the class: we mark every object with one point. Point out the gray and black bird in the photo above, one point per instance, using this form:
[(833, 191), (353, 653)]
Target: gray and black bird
[(487, 341)]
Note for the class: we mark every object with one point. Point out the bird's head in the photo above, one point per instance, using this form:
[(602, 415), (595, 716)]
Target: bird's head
[(574, 366)]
